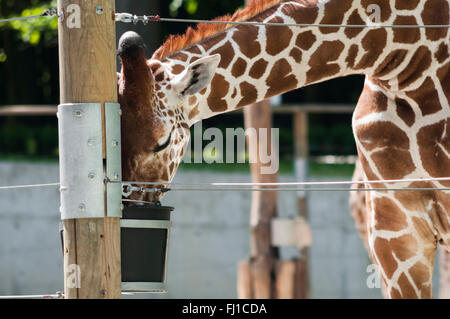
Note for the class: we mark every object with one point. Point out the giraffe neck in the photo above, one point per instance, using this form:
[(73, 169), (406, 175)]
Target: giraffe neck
[(258, 62)]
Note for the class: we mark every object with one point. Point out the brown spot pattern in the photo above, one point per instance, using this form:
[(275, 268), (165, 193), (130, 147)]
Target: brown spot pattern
[(334, 14), (351, 56), (321, 67), (219, 89), (406, 5), (306, 15), (370, 102), (391, 62), (415, 200), (296, 54), (239, 67), (177, 69), (280, 80), (395, 294), (193, 113), (373, 43), (421, 275), (246, 38), (420, 62), (278, 38), (192, 100), (426, 97), (405, 111), (354, 19), (441, 53), (248, 93), (159, 77), (393, 158), (426, 235), (402, 35), (406, 287), (433, 140), (387, 261), (180, 56), (305, 40), (436, 12), (234, 93), (388, 216), (194, 49), (404, 247), (258, 69), (226, 52)]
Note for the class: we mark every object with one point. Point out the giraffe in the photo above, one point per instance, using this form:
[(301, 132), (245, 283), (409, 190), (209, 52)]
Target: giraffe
[(359, 214), (401, 122)]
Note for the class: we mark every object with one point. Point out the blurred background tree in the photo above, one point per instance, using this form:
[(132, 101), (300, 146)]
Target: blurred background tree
[(29, 75)]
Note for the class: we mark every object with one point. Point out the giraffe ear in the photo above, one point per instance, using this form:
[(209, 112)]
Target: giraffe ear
[(196, 76)]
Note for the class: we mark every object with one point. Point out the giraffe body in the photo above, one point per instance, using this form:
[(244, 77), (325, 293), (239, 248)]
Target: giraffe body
[(401, 123)]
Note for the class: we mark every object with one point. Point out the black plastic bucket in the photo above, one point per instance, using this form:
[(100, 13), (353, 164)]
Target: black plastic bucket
[(144, 237)]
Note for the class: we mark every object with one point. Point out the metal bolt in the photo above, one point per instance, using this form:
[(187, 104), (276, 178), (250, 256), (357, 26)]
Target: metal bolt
[(121, 207), (103, 293), (120, 112), (91, 142), (115, 143), (78, 113), (115, 176), (91, 175), (99, 10), (82, 207)]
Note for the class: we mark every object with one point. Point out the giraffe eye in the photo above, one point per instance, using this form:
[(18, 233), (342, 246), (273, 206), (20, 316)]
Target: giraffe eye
[(159, 148)]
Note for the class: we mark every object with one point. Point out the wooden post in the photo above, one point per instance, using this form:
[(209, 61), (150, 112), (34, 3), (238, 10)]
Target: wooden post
[(263, 210), (255, 277), (301, 173), (88, 74)]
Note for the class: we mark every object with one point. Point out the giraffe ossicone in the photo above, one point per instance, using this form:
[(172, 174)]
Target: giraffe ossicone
[(401, 123)]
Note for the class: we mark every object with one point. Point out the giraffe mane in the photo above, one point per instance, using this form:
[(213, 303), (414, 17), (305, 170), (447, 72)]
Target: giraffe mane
[(205, 30)]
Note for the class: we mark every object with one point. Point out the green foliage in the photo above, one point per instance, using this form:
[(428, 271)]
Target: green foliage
[(32, 31), (190, 6), (203, 9), (25, 137), (3, 56)]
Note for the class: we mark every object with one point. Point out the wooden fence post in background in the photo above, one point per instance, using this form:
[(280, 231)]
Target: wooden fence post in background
[(255, 277), (264, 275), (88, 74), (301, 151)]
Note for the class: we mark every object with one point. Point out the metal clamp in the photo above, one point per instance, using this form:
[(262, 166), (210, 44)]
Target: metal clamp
[(113, 159), (291, 232), (128, 18), (82, 177)]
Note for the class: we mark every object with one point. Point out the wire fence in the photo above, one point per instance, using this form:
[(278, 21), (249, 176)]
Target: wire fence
[(128, 18), (47, 13), (145, 19), (292, 186)]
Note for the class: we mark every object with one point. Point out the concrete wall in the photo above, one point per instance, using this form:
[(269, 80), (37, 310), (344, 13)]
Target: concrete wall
[(210, 235)]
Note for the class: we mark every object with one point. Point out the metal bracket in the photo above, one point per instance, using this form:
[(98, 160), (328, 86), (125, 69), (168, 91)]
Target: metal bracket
[(291, 232), (83, 177), (113, 159)]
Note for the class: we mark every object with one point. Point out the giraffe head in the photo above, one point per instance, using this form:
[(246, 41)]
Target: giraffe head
[(155, 129)]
